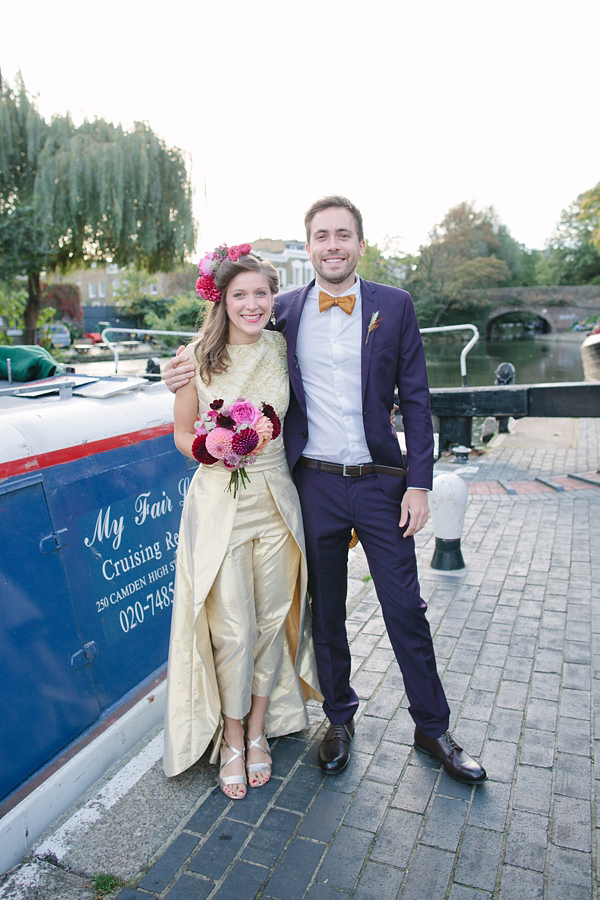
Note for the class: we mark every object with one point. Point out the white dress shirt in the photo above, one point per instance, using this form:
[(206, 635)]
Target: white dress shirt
[(328, 351)]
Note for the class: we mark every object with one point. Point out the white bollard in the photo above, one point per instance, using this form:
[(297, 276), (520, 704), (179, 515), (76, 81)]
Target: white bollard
[(448, 502)]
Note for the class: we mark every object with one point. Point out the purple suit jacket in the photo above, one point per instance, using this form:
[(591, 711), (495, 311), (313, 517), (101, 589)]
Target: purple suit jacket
[(392, 358)]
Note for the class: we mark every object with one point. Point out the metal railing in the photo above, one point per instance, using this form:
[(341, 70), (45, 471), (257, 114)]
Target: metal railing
[(112, 345), (466, 348)]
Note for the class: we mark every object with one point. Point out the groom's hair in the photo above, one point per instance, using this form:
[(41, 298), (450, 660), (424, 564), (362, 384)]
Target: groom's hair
[(327, 203)]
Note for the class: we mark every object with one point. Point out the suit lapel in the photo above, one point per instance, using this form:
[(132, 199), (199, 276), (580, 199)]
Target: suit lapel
[(291, 336), (369, 307)]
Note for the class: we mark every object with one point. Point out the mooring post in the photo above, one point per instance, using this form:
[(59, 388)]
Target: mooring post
[(505, 374), (448, 502)]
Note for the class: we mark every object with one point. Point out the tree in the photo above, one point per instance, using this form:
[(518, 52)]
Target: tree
[(77, 195), (572, 254), (134, 298), (384, 267), (467, 250), (186, 313), (13, 300), (590, 214)]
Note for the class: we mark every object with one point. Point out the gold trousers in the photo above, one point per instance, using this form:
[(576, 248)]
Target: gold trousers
[(249, 601)]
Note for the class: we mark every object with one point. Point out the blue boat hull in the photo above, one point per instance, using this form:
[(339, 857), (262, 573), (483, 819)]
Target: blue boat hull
[(87, 572)]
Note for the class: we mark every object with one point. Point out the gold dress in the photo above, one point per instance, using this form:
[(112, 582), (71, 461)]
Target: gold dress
[(240, 622)]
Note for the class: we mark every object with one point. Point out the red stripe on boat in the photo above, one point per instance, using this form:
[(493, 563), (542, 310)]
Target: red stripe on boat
[(69, 454)]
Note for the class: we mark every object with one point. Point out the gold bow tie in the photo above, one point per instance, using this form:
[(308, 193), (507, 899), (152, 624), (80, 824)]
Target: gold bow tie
[(346, 303)]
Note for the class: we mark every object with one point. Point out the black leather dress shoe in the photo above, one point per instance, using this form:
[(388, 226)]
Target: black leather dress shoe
[(334, 752), (454, 759)]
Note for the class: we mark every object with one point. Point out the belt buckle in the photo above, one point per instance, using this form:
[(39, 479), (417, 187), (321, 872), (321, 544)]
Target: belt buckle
[(344, 473), (347, 474)]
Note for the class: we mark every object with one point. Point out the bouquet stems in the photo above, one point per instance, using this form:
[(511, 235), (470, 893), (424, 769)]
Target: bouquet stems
[(239, 479)]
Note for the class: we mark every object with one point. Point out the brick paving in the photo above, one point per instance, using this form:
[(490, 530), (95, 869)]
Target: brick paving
[(516, 637)]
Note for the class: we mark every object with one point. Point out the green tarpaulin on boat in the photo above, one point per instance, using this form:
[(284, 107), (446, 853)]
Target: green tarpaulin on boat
[(28, 363)]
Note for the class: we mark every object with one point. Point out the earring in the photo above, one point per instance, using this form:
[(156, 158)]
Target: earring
[(273, 320)]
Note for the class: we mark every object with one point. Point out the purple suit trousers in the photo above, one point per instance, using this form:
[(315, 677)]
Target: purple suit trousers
[(392, 358)]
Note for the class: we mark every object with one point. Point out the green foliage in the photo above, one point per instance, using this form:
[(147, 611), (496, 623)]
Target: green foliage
[(134, 298), (589, 214), (573, 252), (76, 195), (529, 266), (468, 250), (106, 884), (13, 298), (382, 267), (185, 313)]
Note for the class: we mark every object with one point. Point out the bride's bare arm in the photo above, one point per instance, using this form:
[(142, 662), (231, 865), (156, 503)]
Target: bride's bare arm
[(186, 413)]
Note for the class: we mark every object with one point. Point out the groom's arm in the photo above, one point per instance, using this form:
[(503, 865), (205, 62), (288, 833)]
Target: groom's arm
[(179, 370), (413, 399)]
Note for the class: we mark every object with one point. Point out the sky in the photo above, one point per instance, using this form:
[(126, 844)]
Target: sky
[(408, 109)]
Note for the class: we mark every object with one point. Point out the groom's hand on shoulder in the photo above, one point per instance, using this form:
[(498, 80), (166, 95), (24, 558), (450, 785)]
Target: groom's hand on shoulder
[(179, 370), (414, 510)]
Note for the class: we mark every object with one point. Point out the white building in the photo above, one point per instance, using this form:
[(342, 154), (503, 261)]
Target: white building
[(289, 258)]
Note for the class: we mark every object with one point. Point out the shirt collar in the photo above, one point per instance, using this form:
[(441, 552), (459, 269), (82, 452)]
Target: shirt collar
[(355, 289)]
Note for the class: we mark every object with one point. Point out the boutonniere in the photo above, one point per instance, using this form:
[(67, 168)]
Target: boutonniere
[(373, 324)]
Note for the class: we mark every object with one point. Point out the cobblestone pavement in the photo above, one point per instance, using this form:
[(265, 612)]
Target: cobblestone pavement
[(516, 637)]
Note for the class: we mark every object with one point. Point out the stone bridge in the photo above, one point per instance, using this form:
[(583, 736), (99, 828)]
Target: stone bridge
[(557, 308)]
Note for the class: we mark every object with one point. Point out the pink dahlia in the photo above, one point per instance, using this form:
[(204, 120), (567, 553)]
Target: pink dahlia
[(245, 441), (244, 413), (218, 442)]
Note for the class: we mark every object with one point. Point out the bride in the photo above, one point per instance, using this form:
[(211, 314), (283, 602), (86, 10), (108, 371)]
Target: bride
[(241, 661)]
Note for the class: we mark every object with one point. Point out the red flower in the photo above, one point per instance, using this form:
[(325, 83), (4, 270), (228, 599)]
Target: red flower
[(234, 253), (216, 404), (225, 422), (270, 413), (205, 288), (244, 441), (201, 453)]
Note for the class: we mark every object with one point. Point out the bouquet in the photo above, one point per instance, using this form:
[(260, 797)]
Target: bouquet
[(236, 434)]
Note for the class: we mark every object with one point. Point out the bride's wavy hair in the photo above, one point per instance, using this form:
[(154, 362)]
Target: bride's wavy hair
[(211, 349)]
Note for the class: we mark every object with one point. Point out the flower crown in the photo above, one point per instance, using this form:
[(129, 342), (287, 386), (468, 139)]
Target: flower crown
[(209, 264)]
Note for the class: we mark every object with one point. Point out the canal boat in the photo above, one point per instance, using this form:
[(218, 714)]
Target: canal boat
[(91, 492), (590, 356)]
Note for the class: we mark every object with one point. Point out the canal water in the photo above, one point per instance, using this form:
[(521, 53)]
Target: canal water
[(537, 360)]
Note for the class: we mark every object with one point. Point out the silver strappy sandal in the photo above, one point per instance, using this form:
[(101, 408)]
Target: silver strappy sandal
[(254, 768), (226, 780)]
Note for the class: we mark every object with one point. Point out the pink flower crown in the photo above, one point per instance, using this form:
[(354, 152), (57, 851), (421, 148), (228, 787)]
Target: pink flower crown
[(209, 264)]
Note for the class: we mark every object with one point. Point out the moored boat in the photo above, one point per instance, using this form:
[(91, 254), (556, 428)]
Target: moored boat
[(590, 357), (91, 490)]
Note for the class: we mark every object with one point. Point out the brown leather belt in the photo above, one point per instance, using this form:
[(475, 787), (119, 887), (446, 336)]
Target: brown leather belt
[(349, 471)]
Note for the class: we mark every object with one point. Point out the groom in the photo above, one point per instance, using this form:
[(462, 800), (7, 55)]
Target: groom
[(351, 343)]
